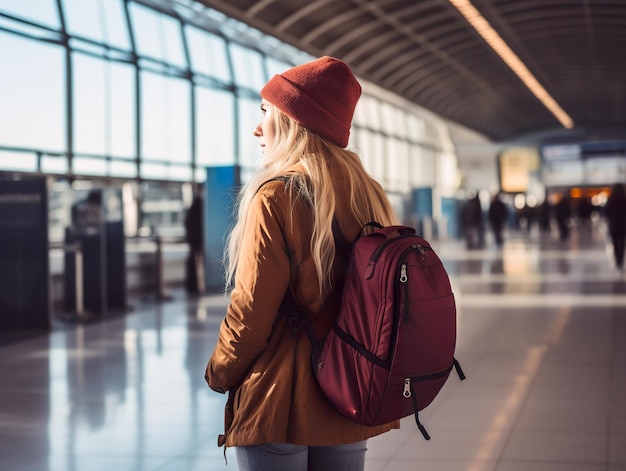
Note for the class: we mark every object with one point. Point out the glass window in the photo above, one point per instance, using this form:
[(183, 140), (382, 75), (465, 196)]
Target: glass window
[(249, 117), (208, 54), (398, 166), (215, 127), (158, 36), (198, 54), (120, 168), (275, 66), (146, 27), (248, 67), (448, 175), (117, 26), (353, 139), (32, 114), (153, 170), (369, 113), (104, 107), (165, 172), (401, 123), (165, 118), (387, 118), (416, 128), (443, 141), (54, 164), (180, 173), (102, 20), (38, 11), (393, 120), (173, 41), (373, 154), (220, 66), (398, 204), (90, 123), (122, 140), (18, 161), (415, 171), (89, 166), (360, 115), (422, 161)]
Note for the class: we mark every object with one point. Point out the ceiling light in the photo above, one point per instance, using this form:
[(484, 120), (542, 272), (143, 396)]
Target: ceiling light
[(480, 24)]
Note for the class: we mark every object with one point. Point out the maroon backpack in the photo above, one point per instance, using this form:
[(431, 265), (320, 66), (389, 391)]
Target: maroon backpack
[(391, 348)]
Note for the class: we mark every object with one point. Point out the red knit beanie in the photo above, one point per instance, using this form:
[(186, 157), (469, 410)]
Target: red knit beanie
[(320, 95)]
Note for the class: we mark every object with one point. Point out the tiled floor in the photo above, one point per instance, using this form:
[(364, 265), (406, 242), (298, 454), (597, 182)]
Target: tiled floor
[(542, 333)]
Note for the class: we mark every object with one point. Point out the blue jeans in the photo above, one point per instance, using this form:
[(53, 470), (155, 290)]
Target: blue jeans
[(289, 457)]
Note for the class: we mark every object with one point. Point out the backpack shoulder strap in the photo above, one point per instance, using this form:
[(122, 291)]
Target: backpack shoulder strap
[(299, 319)]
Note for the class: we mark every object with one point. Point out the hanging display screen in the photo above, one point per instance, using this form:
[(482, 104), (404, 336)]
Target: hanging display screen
[(590, 163)]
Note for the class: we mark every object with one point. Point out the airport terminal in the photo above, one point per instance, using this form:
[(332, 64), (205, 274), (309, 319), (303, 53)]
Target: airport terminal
[(126, 131)]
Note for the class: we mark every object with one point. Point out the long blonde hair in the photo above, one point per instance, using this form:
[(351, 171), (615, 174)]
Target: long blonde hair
[(304, 157)]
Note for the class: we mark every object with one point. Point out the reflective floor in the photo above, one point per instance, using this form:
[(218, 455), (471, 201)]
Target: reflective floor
[(542, 330)]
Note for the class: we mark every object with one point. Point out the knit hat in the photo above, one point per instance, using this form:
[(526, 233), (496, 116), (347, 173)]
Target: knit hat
[(320, 95)]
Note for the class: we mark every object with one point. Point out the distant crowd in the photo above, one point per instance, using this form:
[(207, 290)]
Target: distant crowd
[(554, 217)]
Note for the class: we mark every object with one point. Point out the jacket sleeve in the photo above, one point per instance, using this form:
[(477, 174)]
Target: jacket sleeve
[(261, 281)]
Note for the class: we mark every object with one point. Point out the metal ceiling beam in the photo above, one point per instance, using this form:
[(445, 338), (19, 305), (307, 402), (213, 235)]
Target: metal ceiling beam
[(426, 52)]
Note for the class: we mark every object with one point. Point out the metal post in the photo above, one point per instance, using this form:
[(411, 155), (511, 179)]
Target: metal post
[(78, 314), (159, 267), (160, 275), (78, 262), (199, 265)]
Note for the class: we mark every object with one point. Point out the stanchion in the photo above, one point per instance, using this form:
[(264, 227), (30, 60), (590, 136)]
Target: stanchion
[(79, 314), (199, 265), (160, 278), (78, 264)]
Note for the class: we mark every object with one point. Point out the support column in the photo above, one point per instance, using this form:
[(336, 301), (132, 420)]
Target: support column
[(221, 187)]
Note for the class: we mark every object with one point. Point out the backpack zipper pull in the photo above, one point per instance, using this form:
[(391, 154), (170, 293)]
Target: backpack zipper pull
[(403, 277), (407, 387)]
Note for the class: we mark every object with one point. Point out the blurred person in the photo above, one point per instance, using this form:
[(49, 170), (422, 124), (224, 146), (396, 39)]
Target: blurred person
[(88, 211), (498, 214), (563, 214), (472, 217), (276, 415), (584, 210), (615, 212), (545, 216), (194, 238)]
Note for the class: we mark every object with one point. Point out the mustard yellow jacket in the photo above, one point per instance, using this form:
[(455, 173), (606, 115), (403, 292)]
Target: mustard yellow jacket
[(263, 364)]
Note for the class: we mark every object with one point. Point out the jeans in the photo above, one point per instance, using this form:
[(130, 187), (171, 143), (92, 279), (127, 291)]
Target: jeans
[(289, 457)]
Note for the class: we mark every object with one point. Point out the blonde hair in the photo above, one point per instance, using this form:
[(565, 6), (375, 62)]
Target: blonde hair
[(304, 157)]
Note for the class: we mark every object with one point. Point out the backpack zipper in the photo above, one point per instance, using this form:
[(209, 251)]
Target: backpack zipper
[(379, 250), (405, 292), (404, 278), (408, 391)]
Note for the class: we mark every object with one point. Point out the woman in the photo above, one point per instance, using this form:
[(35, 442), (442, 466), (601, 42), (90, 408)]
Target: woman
[(615, 211), (283, 241)]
